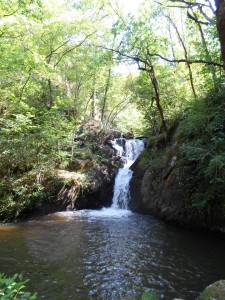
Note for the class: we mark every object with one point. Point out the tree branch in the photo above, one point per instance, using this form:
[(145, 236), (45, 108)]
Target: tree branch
[(176, 6), (119, 16), (73, 48), (54, 50), (137, 59), (204, 14), (196, 20), (12, 13), (191, 4), (23, 87), (198, 61)]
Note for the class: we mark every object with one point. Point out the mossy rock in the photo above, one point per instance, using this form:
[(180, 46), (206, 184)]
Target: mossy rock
[(79, 164), (215, 291)]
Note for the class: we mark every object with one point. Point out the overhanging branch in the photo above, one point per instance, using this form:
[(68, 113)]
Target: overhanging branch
[(197, 61), (191, 4), (73, 48), (138, 59)]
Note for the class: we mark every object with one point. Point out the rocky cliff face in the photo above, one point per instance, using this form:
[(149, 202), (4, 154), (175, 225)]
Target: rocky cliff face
[(157, 189), (96, 163), (154, 190), (183, 179), (87, 181), (98, 192)]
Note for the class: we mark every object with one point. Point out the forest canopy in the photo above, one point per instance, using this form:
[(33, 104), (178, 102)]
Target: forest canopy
[(62, 55)]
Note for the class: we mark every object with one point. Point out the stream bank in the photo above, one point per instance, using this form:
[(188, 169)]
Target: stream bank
[(83, 180)]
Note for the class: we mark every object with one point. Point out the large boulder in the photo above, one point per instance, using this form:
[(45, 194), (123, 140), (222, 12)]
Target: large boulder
[(111, 135), (79, 164), (99, 192), (155, 190), (215, 291), (129, 135)]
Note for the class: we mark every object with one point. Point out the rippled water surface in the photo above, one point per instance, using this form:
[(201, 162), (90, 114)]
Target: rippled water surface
[(110, 255)]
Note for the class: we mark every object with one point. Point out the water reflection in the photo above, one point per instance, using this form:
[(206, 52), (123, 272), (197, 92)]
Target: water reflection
[(104, 255), (51, 239)]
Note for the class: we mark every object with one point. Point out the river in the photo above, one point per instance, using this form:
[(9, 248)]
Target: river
[(110, 254)]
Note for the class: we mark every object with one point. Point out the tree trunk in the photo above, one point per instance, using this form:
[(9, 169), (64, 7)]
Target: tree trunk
[(186, 57), (157, 100), (93, 111), (106, 94), (220, 21), (204, 43), (151, 72), (51, 99)]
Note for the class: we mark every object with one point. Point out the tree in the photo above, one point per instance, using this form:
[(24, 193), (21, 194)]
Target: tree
[(220, 20), (203, 8)]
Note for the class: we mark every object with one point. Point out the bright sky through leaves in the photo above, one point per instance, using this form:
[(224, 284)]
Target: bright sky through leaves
[(130, 5)]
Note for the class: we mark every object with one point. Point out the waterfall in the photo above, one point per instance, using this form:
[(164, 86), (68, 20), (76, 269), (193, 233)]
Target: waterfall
[(128, 150)]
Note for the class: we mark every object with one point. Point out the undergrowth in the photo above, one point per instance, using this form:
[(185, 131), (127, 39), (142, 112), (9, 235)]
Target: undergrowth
[(201, 167), (24, 193)]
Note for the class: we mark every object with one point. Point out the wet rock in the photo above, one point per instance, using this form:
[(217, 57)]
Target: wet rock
[(155, 191), (215, 291), (121, 142), (70, 207), (128, 135), (99, 191), (112, 134), (116, 134), (108, 151)]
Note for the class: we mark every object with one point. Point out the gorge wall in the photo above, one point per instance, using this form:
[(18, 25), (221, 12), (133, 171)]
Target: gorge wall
[(155, 191), (158, 191), (182, 180)]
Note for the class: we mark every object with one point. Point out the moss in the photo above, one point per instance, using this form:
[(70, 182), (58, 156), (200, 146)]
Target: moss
[(145, 158), (214, 291), (156, 157), (149, 295)]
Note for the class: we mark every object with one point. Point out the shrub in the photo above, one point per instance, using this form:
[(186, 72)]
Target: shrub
[(201, 137), (13, 288)]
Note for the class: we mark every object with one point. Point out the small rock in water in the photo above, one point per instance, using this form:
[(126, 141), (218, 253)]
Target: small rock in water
[(70, 207)]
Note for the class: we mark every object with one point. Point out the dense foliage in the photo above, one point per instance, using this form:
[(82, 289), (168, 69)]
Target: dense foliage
[(201, 137)]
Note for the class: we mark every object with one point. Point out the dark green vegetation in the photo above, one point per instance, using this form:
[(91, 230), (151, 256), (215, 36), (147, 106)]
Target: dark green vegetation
[(61, 94), (201, 140), (184, 179)]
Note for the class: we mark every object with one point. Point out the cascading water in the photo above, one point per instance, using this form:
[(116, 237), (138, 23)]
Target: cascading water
[(128, 150)]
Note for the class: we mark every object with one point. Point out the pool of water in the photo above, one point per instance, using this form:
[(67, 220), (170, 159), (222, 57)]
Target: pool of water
[(110, 254)]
